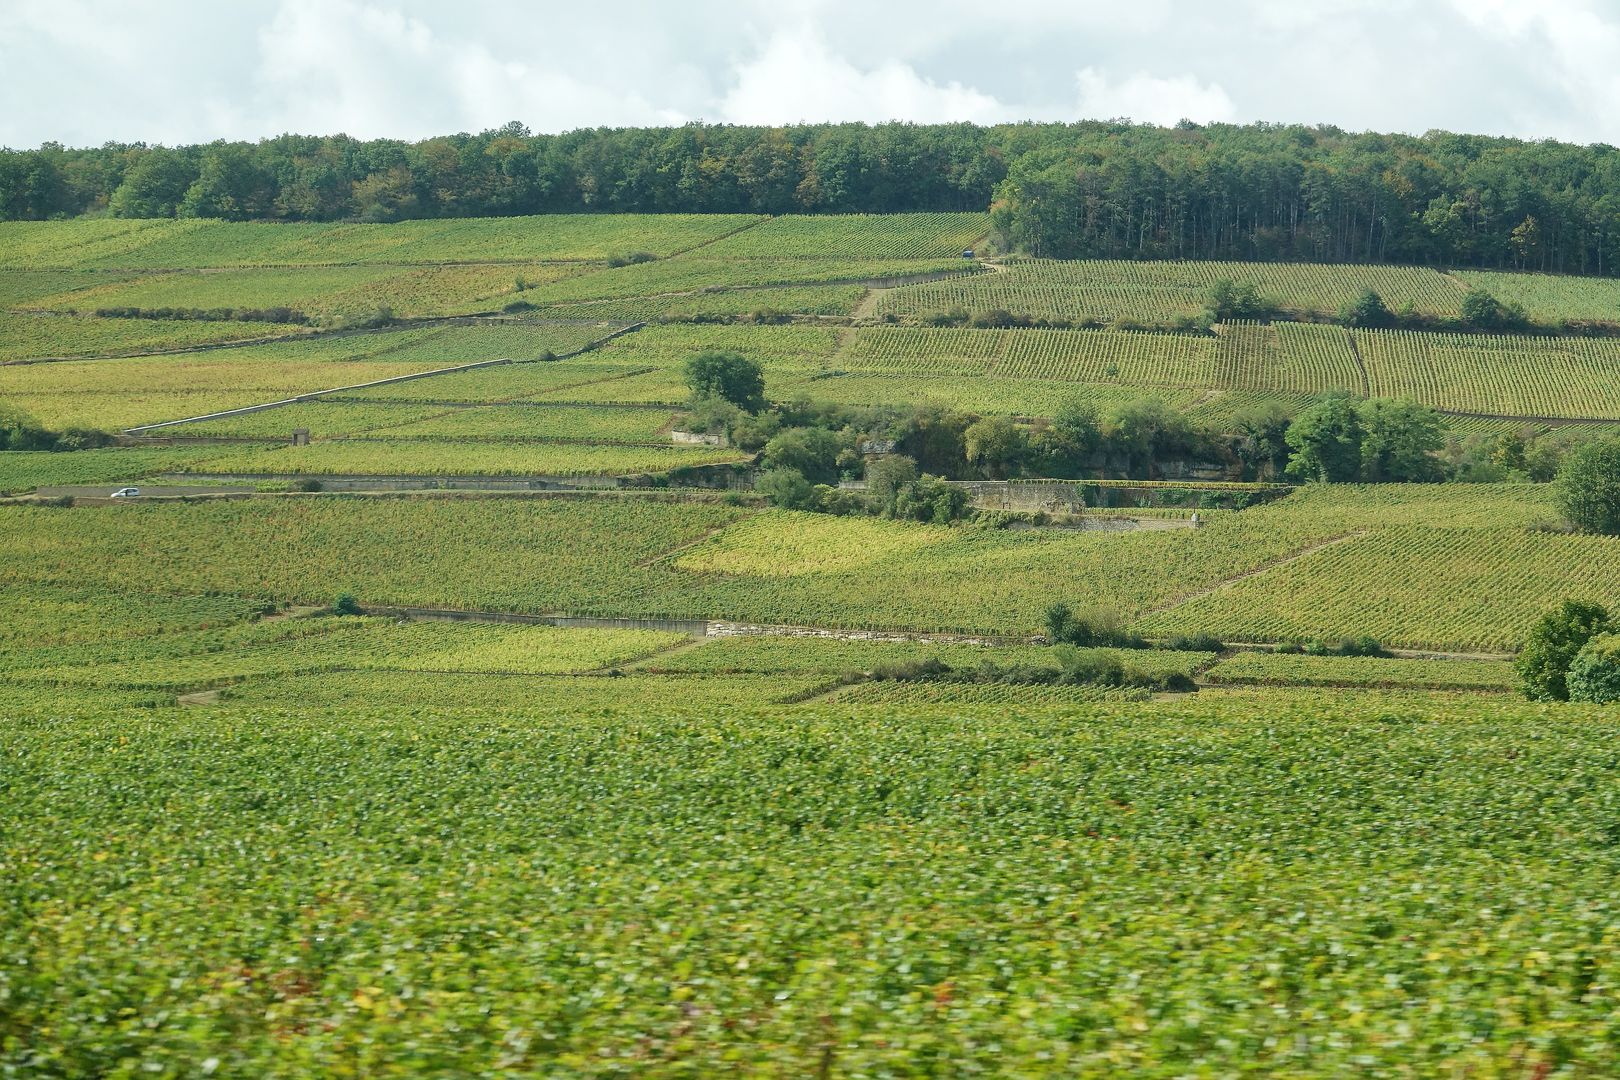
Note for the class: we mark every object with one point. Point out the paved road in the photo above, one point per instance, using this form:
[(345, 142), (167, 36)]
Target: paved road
[(101, 491)]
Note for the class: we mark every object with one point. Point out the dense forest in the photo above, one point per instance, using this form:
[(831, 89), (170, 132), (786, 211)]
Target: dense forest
[(1110, 189)]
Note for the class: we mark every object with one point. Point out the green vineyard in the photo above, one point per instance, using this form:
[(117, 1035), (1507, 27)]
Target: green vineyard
[(92, 244), (1448, 567), (1059, 886), (497, 732), (1161, 292)]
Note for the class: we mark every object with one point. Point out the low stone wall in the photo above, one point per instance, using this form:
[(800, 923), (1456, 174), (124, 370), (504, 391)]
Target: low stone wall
[(698, 438), (1074, 496), (690, 627)]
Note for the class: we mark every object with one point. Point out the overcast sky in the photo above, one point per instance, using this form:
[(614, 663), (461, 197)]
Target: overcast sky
[(83, 72)]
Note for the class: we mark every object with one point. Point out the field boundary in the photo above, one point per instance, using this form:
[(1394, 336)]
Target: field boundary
[(870, 283), (523, 399), (709, 629), (1550, 421), (1225, 583), (478, 318), (756, 223), (1267, 683), (315, 394)]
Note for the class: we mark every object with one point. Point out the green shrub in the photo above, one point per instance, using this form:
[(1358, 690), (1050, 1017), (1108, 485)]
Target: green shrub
[(1366, 310), (1360, 646), (813, 452), (728, 376), (1089, 667), (1594, 674), (1096, 627), (1588, 487), (1230, 300), (911, 670), (1482, 311), (786, 488), (346, 604), (1176, 682), (1553, 643), (930, 499)]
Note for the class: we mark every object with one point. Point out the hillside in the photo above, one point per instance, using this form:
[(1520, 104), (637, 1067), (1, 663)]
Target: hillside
[(1095, 189), (997, 672)]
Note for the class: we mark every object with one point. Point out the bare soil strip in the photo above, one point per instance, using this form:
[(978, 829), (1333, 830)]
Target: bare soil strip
[(1366, 383)]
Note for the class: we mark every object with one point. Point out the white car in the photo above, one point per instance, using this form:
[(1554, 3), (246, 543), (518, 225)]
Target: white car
[(125, 493)]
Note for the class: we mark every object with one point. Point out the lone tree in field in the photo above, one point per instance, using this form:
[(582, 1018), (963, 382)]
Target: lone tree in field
[(995, 445), (1554, 642), (1398, 441), (886, 478), (1588, 487), (1483, 311), (1326, 441), (1230, 300), (726, 376), (812, 452), (1367, 310)]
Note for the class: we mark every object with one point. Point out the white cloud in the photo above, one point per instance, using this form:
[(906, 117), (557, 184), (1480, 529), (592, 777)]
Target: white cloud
[(338, 65), (1568, 44), (85, 71), (796, 77), (1149, 98)]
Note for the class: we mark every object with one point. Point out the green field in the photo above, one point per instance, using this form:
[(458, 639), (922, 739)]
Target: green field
[(1551, 296), (856, 236), (328, 292), (1275, 669), (541, 423), (1555, 377), (437, 456), (198, 243), (638, 779), (25, 470), (217, 658), (710, 269), (1095, 888), (1458, 567), (121, 393), (832, 301), (726, 268), (44, 337), (1160, 292)]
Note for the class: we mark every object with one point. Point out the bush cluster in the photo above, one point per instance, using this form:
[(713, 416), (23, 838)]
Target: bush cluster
[(632, 258), (1364, 645), (1588, 488), (807, 444), (1090, 629), (1571, 654), (20, 431), (1594, 674), (1075, 667), (265, 315)]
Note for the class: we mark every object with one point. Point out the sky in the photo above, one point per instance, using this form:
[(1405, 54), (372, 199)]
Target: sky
[(85, 72)]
